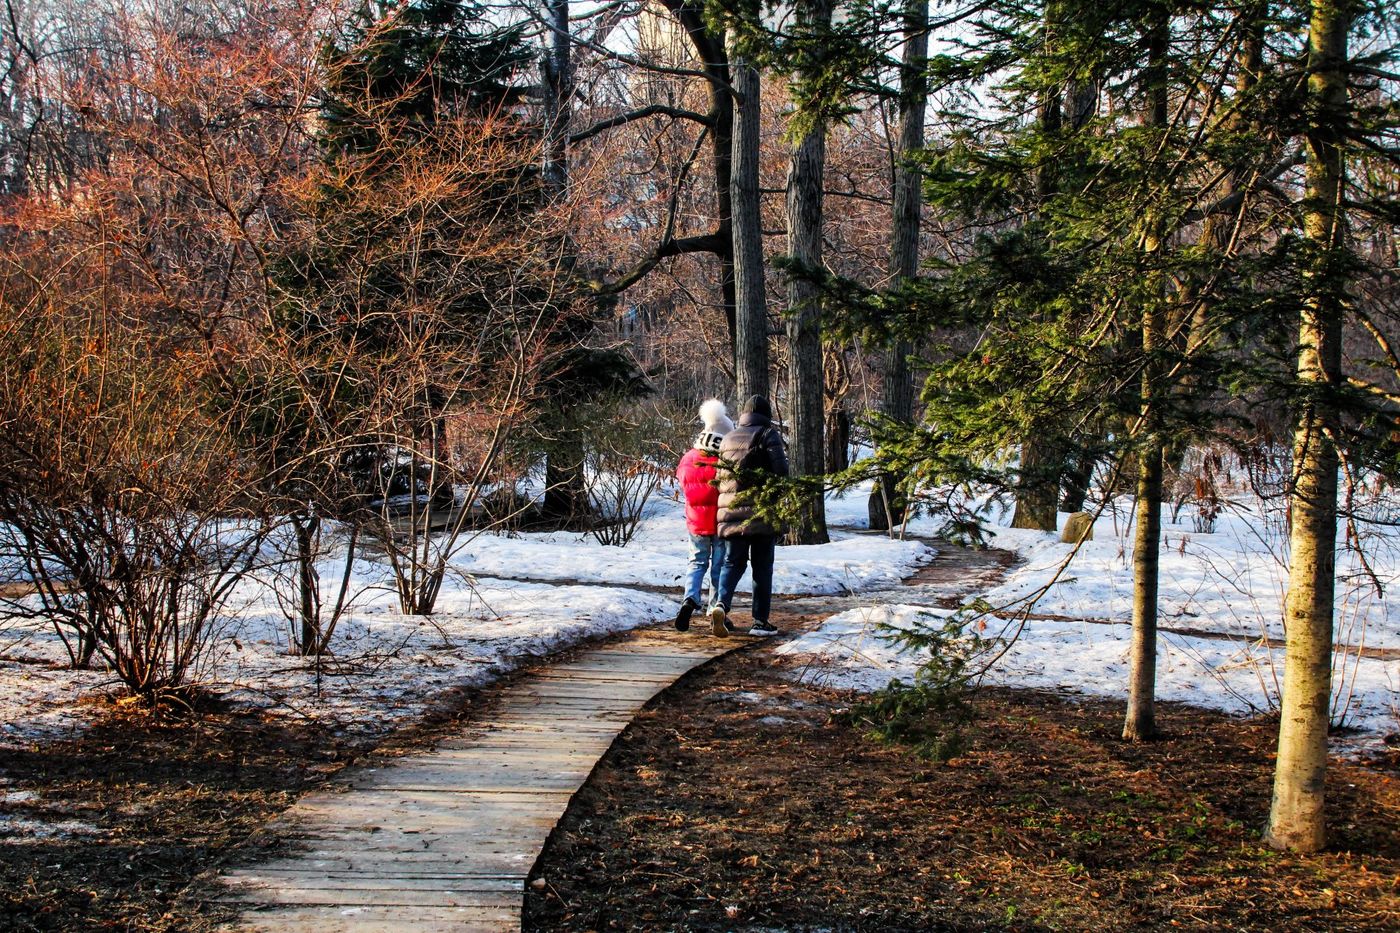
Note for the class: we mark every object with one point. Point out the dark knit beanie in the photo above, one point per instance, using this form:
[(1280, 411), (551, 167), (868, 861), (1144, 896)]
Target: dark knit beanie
[(757, 405)]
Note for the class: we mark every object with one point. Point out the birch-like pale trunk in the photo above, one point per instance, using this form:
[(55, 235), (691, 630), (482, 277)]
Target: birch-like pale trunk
[(1297, 817), (1140, 721)]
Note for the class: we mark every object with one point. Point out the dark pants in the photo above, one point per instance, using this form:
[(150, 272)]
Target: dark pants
[(759, 549)]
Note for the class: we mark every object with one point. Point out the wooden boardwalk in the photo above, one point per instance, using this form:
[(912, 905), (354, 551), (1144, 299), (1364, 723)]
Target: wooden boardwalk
[(444, 839)]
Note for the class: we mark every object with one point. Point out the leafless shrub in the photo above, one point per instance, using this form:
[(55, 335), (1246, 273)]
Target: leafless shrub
[(624, 466)]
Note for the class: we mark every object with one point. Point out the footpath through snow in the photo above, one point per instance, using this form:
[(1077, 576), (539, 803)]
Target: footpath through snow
[(386, 668), (566, 589)]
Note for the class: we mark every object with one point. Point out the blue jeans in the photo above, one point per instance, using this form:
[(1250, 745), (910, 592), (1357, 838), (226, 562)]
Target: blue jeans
[(706, 554), (745, 548)]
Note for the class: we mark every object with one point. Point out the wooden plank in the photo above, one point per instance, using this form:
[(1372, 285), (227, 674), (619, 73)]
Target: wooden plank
[(341, 855), (444, 839), (265, 884), (603, 675), (358, 919), (298, 870), (330, 897)]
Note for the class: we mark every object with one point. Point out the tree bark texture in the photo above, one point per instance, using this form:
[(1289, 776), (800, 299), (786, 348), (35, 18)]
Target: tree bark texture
[(897, 386), (305, 528), (1297, 818), (838, 440), (1076, 479), (806, 170), (1140, 721), (558, 83), (751, 302), (1038, 486)]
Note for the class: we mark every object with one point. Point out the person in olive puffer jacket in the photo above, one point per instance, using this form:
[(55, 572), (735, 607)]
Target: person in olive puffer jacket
[(748, 455), (696, 473)]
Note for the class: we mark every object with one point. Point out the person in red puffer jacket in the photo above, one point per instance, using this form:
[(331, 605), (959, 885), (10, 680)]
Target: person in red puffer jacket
[(697, 478)]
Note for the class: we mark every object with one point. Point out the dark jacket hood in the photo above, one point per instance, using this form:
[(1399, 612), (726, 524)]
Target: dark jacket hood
[(758, 405)]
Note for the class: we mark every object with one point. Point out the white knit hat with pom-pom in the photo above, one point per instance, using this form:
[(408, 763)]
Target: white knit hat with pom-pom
[(717, 424)]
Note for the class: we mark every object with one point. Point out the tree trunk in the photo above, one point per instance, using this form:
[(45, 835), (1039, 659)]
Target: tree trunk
[(565, 498), (1038, 486), (806, 168), (751, 300), (838, 440), (305, 528), (1140, 722), (714, 61), (886, 509), (1297, 816), (558, 84), (1076, 478)]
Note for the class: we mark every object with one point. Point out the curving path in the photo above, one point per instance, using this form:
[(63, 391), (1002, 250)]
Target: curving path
[(443, 839)]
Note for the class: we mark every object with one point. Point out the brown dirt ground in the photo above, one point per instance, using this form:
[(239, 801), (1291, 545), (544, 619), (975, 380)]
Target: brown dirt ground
[(167, 801), (162, 800), (737, 802)]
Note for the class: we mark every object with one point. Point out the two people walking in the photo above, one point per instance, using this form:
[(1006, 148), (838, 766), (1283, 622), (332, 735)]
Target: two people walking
[(726, 535)]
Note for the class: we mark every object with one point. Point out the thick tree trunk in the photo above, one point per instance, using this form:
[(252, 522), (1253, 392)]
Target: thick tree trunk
[(1038, 488), (751, 300), (886, 509), (806, 168), (1297, 817), (714, 61), (565, 496)]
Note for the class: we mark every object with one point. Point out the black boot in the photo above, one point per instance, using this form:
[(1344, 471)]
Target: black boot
[(683, 617)]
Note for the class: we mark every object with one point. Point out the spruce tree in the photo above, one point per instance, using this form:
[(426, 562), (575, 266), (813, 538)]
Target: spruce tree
[(1074, 285)]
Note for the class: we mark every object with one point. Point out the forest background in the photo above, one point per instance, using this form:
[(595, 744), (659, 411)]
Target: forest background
[(410, 272)]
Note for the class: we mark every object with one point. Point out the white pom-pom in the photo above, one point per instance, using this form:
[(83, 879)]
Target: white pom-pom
[(712, 412)]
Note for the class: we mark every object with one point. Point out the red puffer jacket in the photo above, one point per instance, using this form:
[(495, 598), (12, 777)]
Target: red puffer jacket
[(697, 474)]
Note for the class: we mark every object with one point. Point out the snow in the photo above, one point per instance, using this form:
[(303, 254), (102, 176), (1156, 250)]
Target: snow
[(657, 557), (1230, 581), (851, 651), (1229, 584), (512, 598), (507, 600)]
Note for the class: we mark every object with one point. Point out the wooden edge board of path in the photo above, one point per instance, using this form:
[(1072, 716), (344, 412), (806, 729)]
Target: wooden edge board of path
[(444, 839)]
